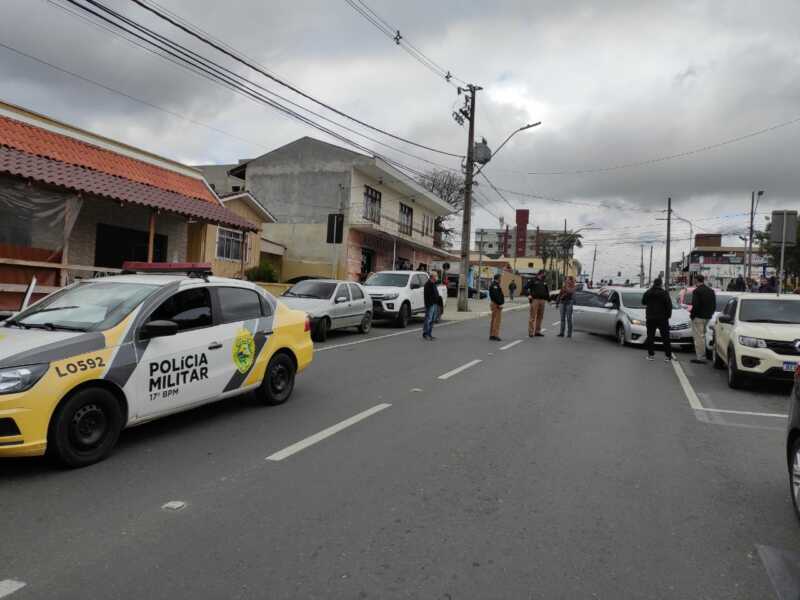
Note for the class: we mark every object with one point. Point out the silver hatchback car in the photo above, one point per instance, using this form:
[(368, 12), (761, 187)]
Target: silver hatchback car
[(331, 304)]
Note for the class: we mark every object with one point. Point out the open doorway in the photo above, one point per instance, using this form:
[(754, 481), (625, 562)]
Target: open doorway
[(114, 245)]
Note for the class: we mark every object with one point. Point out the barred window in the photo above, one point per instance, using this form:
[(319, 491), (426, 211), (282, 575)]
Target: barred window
[(427, 224), (406, 219), (230, 244), (372, 204)]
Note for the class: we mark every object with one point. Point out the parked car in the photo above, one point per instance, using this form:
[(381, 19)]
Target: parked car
[(685, 296), (330, 305), (398, 295), (618, 312), (793, 443), (722, 299), (758, 335)]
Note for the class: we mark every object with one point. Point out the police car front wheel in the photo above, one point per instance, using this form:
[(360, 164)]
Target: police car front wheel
[(279, 380), (85, 428)]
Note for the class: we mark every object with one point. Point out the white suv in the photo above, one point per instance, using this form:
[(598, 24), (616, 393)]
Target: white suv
[(758, 335), (398, 295)]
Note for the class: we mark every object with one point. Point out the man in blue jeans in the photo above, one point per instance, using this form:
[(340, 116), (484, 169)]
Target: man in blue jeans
[(431, 306)]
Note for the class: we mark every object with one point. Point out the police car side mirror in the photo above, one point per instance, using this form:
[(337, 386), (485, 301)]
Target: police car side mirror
[(155, 329)]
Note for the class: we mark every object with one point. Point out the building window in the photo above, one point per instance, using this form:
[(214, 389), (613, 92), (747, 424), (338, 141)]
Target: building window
[(406, 219), (372, 204), (230, 244), (427, 225)]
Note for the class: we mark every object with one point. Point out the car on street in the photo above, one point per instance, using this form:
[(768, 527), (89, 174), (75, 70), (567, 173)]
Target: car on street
[(722, 299), (618, 312), (91, 359), (331, 304), (399, 295), (758, 336)]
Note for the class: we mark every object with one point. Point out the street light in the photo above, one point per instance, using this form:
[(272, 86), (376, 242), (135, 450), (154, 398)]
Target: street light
[(512, 134)]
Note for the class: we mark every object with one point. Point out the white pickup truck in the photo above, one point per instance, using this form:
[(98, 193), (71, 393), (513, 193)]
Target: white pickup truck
[(398, 295)]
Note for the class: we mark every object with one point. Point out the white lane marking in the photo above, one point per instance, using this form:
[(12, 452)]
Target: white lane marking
[(383, 337), (458, 370), (9, 586), (511, 345), (744, 412), (691, 396), (556, 323), (174, 505), (326, 433)]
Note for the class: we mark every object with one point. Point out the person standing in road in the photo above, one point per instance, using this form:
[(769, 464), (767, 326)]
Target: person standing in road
[(431, 292), (538, 295), (704, 304), (497, 301), (658, 306), (512, 287), (566, 300)]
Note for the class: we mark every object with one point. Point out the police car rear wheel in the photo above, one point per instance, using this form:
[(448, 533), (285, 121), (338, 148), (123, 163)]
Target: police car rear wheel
[(85, 428), (279, 380)]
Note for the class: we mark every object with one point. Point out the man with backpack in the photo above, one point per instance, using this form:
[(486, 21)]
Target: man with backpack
[(658, 307)]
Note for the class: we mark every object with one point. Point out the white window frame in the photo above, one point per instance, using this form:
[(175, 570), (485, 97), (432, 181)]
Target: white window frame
[(232, 236)]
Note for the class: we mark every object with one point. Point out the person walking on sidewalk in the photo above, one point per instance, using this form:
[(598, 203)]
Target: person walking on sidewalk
[(566, 300), (538, 295), (704, 304), (512, 287), (431, 306), (659, 309), (497, 301)]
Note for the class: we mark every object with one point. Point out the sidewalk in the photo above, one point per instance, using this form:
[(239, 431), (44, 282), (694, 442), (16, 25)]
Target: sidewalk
[(477, 309)]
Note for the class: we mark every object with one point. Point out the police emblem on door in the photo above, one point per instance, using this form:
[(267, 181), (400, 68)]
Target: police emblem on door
[(244, 351)]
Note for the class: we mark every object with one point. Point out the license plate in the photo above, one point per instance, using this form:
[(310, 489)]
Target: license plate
[(674, 335), (789, 366)]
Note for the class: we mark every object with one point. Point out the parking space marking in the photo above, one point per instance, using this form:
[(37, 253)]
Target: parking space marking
[(744, 412), (382, 337), (9, 586), (325, 433), (691, 396), (511, 345), (458, 370)]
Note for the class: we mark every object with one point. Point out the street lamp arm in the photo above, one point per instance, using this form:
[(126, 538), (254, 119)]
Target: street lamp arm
[(512, 134)]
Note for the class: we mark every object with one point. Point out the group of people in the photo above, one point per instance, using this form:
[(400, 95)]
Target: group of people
[(765, 285)]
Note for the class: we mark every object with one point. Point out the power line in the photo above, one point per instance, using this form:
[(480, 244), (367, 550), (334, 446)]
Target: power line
[(667, 157), (497, 191), (190, 29)]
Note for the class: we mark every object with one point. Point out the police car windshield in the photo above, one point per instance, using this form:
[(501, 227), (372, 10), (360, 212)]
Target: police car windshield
[(388, 279), (94, 305), (312, 289)]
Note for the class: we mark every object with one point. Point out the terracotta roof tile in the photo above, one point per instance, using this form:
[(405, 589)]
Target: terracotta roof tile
[(82, 179), (41, 142)]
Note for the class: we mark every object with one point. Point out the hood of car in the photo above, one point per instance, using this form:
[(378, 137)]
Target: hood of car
[(380, 290), (769, 331), (30, 346), (313, 306)]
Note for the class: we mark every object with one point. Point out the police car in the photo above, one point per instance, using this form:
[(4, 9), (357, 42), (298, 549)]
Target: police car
[(100, 355)]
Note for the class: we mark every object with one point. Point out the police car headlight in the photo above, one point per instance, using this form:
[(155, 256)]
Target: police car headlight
[(20, 379), (752, 342)]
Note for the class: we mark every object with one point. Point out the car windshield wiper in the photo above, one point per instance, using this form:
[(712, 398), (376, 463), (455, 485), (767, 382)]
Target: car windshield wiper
[(53, 327), (288, 293), (15, 324)]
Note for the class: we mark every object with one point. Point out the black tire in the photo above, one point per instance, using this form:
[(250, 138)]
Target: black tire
[(621, 334), (794, 475), (278, 380), (735, 378), (366, 323), (403, 316), (321, 330), (717, 360), (85, 428)]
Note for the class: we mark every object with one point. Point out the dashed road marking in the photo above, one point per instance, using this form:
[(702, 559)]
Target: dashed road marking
[(556, 323), (9, 586), (382, 337), (511, 345), (325, 433), (458, 370), (174, 505)]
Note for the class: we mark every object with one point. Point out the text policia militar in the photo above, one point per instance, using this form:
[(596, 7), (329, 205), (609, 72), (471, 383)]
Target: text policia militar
[(174, 372)]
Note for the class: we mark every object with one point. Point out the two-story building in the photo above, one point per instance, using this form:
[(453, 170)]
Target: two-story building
[(387, 218)]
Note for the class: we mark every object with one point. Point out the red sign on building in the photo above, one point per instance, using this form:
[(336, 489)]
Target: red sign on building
[(523, 216)]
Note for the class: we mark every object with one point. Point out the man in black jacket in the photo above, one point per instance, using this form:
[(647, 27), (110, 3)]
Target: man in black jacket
[(431, 306), (704, 304), (659, 309), (497, 300), (538, 295)]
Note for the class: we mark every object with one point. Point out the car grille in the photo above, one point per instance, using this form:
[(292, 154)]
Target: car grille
[(785, 348), (679, 327)]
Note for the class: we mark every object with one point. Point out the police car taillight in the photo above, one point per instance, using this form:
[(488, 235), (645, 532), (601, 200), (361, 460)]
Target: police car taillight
[(308, 324)]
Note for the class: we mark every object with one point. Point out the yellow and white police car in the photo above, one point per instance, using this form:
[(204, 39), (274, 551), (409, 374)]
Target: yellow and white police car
[(100, 355)]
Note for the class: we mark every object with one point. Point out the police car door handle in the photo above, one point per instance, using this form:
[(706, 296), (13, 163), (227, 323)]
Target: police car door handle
[(215, 346)]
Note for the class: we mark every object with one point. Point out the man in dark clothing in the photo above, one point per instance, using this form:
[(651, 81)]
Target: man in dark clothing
[(659, 309), (497, 300), (704, 305), (431, 306), (738, 285), (538, 295)]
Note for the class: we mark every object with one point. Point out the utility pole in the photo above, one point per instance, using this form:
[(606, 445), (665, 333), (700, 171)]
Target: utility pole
[(641, 267), (594, 260), (749, 269), (469, 113), (669, 223), (565, 247), (480, 262), (650, 271)]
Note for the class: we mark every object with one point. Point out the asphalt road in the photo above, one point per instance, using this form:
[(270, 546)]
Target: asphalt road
[(552, 468)]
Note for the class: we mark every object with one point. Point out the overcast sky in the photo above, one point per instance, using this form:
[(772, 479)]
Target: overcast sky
[(614, 82)]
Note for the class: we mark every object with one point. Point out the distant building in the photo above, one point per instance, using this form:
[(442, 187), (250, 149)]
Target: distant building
[(721, 264), (503, 241)]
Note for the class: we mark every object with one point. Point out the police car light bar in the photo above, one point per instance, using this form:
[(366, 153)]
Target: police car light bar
[(190, 268)]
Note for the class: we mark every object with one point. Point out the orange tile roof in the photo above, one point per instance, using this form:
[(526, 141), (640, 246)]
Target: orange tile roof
[(41, 142)]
